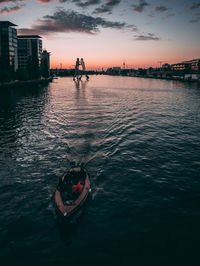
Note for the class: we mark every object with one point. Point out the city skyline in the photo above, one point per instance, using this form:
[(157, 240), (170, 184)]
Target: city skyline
[(107, 33)]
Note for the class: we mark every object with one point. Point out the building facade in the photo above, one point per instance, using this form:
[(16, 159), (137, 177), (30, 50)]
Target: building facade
[(195, 66), (29, 54), (114, 71), (188, 67), (45, 64), (8, 47)]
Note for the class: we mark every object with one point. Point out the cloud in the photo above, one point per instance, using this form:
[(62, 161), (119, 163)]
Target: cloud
[(107, 7), (102, 9), (88, 3), (169, 15), (45, 1), (9, 1), (151, 15), (195, 6), (140, 7), (11, 9), (195, 20), (146, 37), (161, 8), (72, 21), (77, 2), (81, 3)]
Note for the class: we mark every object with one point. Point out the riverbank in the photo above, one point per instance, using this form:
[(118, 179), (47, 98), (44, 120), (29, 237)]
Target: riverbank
[(21, 83), (175, 78)]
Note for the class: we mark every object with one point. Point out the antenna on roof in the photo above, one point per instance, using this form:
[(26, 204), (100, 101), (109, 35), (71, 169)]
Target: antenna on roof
[(160, 62)]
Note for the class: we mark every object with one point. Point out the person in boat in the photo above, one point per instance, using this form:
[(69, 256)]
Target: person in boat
[(61, 186), (82, 175), (64, 183)]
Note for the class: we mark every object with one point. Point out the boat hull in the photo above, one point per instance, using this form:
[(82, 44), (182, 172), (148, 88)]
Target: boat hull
[(67, 211)]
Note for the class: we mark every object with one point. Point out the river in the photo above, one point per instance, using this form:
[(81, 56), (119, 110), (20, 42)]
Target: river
[(140, 141)]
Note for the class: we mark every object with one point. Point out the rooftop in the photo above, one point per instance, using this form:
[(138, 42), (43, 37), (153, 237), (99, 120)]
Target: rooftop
[(187, 62), (45, 51), (6, 23), (29, 37)]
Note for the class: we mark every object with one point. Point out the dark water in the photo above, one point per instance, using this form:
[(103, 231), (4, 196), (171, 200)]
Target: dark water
[(140, 141)]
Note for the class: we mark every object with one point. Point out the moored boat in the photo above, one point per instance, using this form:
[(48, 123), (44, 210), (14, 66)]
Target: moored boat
[(72, 191)]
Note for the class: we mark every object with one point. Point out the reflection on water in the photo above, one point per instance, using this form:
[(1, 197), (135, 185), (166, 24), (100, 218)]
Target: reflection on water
[(139, 139), (80, 84)]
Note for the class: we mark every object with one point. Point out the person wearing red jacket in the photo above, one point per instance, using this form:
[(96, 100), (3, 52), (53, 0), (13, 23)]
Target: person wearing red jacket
[(78, 188)]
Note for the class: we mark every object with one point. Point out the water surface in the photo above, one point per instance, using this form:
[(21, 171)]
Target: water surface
[(139, 139)]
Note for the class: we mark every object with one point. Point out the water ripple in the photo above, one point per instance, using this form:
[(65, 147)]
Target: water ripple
[(139, 139)]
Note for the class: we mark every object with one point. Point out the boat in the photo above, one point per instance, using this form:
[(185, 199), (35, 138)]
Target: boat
[(71, 192)]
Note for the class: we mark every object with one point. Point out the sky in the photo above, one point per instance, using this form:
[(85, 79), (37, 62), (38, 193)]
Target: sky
[(106, 33)]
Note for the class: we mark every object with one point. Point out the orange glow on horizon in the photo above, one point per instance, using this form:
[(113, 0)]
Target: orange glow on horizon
[(92, 65)]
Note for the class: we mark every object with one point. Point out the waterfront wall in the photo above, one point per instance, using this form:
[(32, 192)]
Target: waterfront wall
[(19, 83)]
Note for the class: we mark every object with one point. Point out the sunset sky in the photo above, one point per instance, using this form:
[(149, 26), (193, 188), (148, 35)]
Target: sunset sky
[(107, 32)]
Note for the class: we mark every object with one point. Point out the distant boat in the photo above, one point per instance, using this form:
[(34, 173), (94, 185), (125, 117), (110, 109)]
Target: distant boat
[(68, 197)]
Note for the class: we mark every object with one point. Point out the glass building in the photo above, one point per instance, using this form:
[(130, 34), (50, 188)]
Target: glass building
[(8, 46), (29, 54), (45, 64)]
